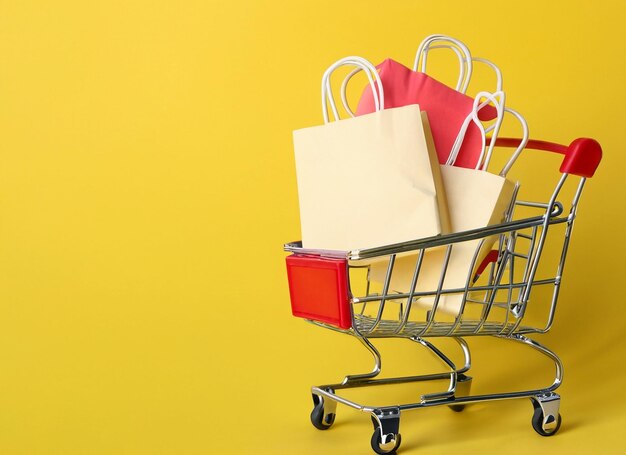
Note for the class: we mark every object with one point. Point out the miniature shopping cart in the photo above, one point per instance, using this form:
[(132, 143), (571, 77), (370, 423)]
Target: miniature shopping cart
[(334, 290)]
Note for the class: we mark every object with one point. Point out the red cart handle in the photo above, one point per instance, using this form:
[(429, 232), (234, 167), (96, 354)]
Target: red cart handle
[(582, 156)]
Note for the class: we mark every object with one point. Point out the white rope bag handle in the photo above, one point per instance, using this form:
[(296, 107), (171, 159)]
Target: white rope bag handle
[(463, 55), (520, 147), (496, 99), (495, 69), (459, 48), (362, 65), (446, 42)]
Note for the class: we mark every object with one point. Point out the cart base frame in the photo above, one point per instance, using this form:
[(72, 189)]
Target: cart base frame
[(546, 419)]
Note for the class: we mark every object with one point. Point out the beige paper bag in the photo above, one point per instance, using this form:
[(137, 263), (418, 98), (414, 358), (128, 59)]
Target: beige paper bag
[(370, 180), (476, 199)]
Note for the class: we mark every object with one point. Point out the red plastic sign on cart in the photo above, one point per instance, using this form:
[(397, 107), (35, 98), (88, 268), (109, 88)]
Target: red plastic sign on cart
[(318, 289)]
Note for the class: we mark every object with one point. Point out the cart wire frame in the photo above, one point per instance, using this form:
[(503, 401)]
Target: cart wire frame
[(494, 303)]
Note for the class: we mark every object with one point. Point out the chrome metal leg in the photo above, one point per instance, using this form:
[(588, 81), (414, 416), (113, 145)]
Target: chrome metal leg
[(355, 378), (453, 375), (558, 378), (466, 354)]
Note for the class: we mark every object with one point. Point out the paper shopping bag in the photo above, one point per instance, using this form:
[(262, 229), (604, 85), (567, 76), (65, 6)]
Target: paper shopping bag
[(369, 181), (447, 109), (476, 199)]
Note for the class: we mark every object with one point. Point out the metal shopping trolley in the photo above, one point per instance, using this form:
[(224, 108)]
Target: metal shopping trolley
[(334, 290)]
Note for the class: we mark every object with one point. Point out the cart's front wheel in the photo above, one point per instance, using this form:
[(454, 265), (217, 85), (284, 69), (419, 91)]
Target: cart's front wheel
[(321, 419), (389, 446), (545, 428)]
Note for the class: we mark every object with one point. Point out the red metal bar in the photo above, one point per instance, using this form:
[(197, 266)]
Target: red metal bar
[(582, 156)]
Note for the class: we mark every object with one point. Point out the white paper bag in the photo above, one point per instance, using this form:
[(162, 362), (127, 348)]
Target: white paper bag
[(371, 180), (476, 199)]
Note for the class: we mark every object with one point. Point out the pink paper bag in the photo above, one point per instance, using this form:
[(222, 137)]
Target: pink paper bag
[(446, 109)]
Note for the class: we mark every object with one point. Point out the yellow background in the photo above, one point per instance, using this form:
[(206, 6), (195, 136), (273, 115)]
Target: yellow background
[(147, 186)]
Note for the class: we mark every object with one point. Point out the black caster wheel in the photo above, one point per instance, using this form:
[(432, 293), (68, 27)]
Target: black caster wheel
[(457, 407), (390, 446), (463, 386), (320, 420), (538, 423)]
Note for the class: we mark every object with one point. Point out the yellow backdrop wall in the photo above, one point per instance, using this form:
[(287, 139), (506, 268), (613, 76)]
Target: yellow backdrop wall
[(147, 185)]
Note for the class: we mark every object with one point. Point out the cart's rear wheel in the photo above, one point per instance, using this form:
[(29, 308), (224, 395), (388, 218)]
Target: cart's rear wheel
[(457, 407), (319, 419), (538, 422), (463, 387)]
